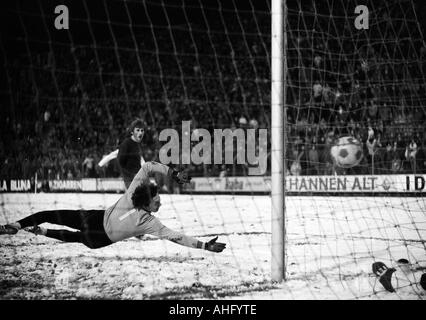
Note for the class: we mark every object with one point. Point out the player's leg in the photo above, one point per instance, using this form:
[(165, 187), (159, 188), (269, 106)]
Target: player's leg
[(63, 235), (92, 232), (69, 218), (89, 222)]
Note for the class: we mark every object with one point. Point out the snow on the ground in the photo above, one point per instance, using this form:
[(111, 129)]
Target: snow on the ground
[(331, 244)]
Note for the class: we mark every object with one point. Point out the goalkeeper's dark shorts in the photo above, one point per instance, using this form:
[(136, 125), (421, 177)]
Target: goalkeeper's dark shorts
[(90, 224)]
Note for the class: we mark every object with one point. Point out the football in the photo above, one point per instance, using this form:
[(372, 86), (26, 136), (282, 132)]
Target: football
[(347, 152)]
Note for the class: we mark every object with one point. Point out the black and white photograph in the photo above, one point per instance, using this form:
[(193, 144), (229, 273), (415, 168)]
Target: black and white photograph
[(212, 150)]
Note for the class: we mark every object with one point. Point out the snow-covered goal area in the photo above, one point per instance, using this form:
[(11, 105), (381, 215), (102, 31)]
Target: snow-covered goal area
[(331, 245)]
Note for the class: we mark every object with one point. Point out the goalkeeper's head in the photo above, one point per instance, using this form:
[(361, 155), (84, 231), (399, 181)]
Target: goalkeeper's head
[(146, 197), (137, 130)]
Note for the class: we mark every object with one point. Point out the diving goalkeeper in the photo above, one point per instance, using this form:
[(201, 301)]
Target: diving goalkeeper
[(130, 216)]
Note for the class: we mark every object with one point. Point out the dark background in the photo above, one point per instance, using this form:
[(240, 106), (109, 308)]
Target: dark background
[(238, 85)]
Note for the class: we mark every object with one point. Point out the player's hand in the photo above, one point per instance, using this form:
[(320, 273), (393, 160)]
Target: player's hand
[(181, 177), (214, 246)]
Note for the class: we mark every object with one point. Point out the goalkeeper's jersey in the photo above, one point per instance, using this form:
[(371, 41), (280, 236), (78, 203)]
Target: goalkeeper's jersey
[(122, 221)]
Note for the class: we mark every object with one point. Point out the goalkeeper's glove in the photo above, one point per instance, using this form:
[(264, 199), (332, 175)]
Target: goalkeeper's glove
[(181, 177), (214, 246)]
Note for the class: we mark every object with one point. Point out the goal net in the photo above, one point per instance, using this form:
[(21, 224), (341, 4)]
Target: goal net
[(200, 71)]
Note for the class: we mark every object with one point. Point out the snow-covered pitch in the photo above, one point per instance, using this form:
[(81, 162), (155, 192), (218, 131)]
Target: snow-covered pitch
[(331, 244)]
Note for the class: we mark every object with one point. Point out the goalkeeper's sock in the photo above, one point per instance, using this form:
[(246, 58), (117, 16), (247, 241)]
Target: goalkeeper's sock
[(37, 230)]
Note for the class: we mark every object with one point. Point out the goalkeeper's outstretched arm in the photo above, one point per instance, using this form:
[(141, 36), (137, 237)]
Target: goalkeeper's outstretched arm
[(156, 228), (150, 224)]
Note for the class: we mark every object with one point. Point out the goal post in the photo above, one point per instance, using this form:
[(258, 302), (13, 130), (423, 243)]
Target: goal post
[(278, 94)]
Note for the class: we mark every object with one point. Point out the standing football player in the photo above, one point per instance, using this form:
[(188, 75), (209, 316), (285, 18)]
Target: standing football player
[(129, 153)]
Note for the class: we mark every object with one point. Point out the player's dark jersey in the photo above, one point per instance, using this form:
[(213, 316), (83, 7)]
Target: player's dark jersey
[(129, 159)]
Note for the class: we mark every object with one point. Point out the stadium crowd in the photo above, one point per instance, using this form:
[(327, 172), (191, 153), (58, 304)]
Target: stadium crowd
[(71, 106)]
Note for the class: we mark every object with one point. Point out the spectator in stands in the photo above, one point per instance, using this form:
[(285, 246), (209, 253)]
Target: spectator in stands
[(254, 124), (304, 160), (389, 107), (223, 171), (70, 176), (411, 155), (313, 157), (396, 158), (421, 160), (89, 167), (379, 154), (372, 110), (371, 150), (295, 165), (370, 132), (242, 121), (388, 158), (317, 91)]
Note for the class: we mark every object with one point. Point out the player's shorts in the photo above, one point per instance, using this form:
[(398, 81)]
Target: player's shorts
[(94, 235)]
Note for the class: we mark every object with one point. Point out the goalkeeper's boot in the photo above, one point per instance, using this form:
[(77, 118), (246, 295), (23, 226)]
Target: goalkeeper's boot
[(386, 279), (8, 229), (36, 230), (423, 281), (385, 275)]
